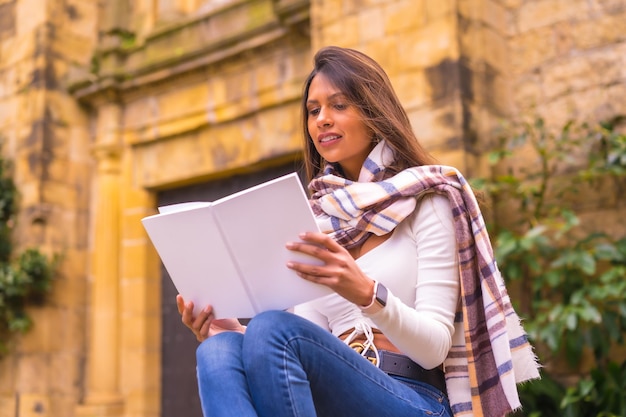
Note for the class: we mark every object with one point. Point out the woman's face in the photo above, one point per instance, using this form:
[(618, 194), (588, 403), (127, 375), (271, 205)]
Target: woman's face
[(336, 127)]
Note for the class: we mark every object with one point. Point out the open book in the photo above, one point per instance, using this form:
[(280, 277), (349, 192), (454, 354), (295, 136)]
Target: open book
[(231, 253)]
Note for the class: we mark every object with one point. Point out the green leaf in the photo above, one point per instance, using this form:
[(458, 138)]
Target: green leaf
[(591, 314), (586, 386), (571, 321)]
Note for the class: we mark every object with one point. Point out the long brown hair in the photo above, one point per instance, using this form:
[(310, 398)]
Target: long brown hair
[(366, 86)]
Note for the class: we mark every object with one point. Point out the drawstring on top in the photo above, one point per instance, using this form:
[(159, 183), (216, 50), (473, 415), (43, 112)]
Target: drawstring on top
[(363, 328)]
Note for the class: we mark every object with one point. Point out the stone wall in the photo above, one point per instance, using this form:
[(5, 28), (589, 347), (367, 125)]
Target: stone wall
[(103, 104), (45, 134)]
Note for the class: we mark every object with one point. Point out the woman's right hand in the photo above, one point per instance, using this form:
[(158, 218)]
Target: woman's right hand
[(205, 325)]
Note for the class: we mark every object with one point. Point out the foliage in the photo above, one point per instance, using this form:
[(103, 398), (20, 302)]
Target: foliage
[(571, 281), (25, 278), (601, 394)]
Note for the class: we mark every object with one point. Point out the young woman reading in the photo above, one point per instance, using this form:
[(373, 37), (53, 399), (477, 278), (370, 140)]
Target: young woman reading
[(419, 323)]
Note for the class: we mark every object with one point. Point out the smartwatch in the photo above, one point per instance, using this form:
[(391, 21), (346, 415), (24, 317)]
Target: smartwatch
[(378, 301), (380, 295)]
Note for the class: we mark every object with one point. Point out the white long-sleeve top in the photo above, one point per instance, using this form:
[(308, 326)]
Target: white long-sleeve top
[(419, 266)]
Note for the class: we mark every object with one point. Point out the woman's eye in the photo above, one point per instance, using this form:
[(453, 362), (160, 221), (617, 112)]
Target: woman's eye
[(341, 106), (314, 112)]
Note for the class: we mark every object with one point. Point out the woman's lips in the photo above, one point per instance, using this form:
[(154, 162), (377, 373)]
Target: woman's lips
[(328, 138)]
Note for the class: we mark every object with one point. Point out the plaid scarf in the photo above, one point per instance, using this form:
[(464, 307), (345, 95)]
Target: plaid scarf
[(490, 353)]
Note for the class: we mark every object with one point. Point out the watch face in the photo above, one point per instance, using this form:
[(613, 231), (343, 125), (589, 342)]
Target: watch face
[(381, 294)]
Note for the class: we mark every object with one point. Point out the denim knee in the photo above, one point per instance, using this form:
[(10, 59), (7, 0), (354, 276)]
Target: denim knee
[(220, 350), (269, 321), (269, 332)]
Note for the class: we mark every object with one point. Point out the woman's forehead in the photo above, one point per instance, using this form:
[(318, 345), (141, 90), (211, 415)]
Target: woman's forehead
[(324, 86)]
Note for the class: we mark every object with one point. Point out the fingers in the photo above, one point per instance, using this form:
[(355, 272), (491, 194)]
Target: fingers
[(318, 245), (199, 325), (321, 239), (204, 317), (180, 304), (312, 273)]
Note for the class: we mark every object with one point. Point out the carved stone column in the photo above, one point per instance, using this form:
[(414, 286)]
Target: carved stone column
[(103, 362)]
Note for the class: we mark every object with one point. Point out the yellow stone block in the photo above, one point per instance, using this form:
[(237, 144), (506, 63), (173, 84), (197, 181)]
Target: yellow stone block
[(37, 339), (538, 14), (80, 20), (217, 94), (528, 91), (324, 12), (430, 45), (405, 16), (413, 89), (75, 47), (68, 290), (435, 10), (30, 107), (59, 194), (142, 402), (581, 72), (182, 101), (8, 404), (269, 74), (65, 369), (132, 229), (141, 113), (498, 93), (139, 374), (7, 382), (139, 258), (384, 50), (435, 125), (135, 198), (531, 49), (498, 17), (371, 26), (498, 54), (30, 193), (180, 125), (34, 405), (30, 15), (8, 113), (342, 32), (33, 372), (14, 79), (66, 111), (17, 49), (267, 98), (616, 97), (603, 30), (60, 169), (134, 332)]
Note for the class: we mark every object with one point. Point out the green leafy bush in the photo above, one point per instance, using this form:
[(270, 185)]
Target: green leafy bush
[(24, 278), (569, 281)]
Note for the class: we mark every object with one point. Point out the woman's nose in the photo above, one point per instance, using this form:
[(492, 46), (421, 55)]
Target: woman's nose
[(323, 118)]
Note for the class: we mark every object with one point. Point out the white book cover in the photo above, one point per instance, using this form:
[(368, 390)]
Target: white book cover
[(231, 253)]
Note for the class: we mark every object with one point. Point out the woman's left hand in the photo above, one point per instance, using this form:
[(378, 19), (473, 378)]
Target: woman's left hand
[(340, 271)]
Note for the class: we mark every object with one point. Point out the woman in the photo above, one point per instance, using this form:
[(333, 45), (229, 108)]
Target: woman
[(405, 252)]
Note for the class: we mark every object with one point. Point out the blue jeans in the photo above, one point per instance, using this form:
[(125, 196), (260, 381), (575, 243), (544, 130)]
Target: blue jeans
[(287, 366)]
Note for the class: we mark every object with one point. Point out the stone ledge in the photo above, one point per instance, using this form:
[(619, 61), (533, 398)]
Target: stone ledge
[(186, 46)]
